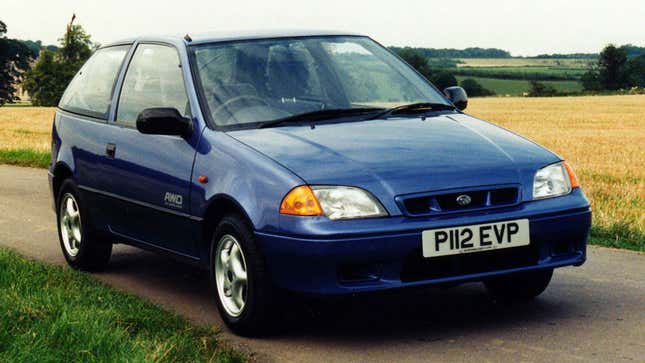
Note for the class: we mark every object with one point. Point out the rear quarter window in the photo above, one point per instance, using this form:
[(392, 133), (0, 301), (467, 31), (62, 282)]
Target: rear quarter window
[(90, 92)]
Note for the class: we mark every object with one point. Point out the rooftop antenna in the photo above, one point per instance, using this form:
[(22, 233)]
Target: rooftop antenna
[(188, 38)]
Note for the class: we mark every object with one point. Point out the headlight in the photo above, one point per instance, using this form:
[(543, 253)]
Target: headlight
[(335, 202), (347, 202), (554, 180)]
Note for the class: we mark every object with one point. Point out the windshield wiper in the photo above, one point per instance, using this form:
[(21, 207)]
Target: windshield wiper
[(319, 115), (413, 108)]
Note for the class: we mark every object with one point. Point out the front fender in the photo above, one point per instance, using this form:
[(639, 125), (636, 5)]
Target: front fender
[(235, 171)]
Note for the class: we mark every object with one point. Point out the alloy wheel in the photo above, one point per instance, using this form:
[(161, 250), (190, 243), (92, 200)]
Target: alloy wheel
[(70, 224), (230, 275)]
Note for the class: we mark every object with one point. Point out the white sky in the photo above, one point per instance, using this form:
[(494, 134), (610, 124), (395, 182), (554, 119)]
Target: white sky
[(523, 27)]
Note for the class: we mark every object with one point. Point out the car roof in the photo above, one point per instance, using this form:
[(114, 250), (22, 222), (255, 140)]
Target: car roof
[(231, 35)]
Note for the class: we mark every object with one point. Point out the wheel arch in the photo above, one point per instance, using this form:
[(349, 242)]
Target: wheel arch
[(219, 206), (61, 171)]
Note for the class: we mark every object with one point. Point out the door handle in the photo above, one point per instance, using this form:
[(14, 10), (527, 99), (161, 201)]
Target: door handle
[(110, 150)]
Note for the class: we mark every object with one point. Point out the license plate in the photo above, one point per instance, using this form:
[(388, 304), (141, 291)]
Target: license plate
[(475, 238)]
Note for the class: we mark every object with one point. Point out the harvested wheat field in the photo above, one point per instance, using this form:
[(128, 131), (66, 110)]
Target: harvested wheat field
[(602, 137), (26, 128)]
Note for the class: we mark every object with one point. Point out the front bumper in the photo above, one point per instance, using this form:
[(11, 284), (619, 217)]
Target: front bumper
[(383, 260)]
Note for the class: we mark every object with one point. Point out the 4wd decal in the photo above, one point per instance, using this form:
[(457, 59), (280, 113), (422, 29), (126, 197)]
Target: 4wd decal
[(173, 200)]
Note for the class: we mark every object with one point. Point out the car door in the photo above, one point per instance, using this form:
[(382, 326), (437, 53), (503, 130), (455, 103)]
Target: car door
[(151, 174), (82, 126)]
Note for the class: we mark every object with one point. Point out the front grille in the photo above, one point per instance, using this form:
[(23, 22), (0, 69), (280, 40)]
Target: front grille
[(447, 202), (503, 196), (416, 267)]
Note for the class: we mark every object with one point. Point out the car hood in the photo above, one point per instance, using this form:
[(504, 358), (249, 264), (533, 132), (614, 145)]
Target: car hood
[(399, 156)]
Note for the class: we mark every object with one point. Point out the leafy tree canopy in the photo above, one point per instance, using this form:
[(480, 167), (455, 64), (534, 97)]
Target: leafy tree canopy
[(439, 77), (617, 68), (36, 46), (46, 81), (14, 60), (49, 77), (566, 56), (474, 88), (636, 71), (474, 52), (415, 59), (76, 45), (633, 51), (443, 79), (611, 65), (539, 89)]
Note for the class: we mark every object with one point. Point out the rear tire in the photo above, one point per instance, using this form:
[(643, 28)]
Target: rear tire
[(519, 286), (244, 292), (81, 245)]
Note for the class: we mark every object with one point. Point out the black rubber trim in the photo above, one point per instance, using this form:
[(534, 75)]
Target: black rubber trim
[(144, 204)]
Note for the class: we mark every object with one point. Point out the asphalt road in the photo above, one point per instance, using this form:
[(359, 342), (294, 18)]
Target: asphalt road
[(591, 313)]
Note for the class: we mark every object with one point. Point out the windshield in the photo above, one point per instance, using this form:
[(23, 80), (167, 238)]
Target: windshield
[(249, 82)]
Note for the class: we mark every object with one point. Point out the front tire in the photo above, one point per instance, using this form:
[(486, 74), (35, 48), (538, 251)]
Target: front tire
[(519, 286), (81, 245), (239, 277)]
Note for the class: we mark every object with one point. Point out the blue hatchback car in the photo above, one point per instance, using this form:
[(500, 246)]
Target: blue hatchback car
[(314, 162)]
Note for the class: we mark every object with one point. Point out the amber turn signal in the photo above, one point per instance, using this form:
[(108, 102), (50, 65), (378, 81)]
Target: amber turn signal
[(301, 201), (573, 179)]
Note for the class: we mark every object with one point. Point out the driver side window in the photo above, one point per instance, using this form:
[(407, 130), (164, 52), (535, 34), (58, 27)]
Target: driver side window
[(154, 79)]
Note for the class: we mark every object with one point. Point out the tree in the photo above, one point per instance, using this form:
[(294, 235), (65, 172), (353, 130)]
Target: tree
[(457, 53), (443, 79), (76, 45), (475, 89), (590, 80), (14, 60), (47, 80), (611, 71), (636, 71), (633, 51), (414, 58), (539, 89), (611, 64), (33, 46), (49, 77)]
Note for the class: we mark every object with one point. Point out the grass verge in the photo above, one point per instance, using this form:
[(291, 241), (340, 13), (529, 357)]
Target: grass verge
[(617, 236), (18, 104), (25, 157), (54, 314)]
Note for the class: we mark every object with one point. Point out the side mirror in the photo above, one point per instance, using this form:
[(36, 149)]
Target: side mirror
[(457, 96), (164, 121)]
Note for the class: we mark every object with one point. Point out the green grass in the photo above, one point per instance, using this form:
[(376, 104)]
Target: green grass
[(54, 314), (618, 236), (516, 87), (18, 104), (25, 157), (525, 72)]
